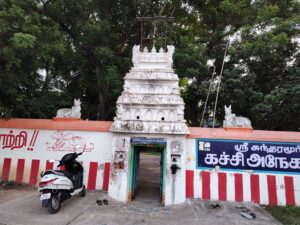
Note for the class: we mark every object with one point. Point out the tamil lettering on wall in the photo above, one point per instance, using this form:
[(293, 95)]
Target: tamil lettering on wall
[(248, 155), (18, 139)]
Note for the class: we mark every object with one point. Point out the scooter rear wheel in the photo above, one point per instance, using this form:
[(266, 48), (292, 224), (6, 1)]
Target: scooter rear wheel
[(54, 204)]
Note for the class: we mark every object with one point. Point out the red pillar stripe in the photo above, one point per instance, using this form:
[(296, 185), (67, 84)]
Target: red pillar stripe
[(6, 168), (20, 170), (49, 165), (189, 179), (92, 176), (238, 185), (206, 185), (254, 184), (35, 163), (106, 176), (289, 190), (222, 186), (272, 191)]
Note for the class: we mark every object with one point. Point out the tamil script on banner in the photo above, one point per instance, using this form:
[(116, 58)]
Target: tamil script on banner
[(248, 155)]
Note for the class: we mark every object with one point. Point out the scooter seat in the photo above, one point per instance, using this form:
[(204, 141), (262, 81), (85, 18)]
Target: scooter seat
[(59, 173)]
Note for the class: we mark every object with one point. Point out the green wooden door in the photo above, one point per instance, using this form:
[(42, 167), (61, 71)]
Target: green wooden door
[(134, 170), (136, 163), (162, 175)]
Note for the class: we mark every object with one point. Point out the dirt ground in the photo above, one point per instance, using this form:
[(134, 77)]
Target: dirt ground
[(10, 190), (148, 189)]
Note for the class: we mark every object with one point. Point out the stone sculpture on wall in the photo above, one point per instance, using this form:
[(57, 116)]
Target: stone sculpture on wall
[(231, 120), (74, 112)]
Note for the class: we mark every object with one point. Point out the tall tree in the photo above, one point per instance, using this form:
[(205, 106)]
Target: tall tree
[(52, 51), (28, 43), (261, 77)]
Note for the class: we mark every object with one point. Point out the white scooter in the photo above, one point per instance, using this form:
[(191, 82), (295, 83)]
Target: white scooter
[(59, 185)]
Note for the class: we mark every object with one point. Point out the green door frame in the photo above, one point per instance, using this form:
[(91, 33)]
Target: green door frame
[(131, 168)]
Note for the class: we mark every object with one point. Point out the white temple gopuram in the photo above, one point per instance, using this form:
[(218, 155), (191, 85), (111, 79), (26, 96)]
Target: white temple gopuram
[(150, 112)]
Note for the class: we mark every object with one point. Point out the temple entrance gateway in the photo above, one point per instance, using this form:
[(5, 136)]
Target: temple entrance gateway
[(147, 173), (150, 114)]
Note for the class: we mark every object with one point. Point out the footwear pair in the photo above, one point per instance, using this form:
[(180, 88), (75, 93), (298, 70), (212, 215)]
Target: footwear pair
[(99, 202)]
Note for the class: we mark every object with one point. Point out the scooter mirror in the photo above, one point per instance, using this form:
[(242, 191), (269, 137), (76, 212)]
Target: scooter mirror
[(79, 149), (52, 160)]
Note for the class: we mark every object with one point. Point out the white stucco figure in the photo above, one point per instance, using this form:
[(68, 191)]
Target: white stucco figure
[(74, 112), (231, 120)]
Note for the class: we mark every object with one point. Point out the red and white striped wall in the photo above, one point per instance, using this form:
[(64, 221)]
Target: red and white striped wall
[(26, 145), (96, 175), (261, 188)]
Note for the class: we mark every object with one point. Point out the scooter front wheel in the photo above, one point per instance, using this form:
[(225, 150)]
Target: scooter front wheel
[(83, 192), (54, 204)]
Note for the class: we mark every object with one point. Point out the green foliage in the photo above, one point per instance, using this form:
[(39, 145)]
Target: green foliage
[(21, 40), (54, 51), (259, 80)]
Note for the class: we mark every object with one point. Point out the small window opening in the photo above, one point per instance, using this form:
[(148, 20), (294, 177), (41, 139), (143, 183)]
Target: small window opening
[(163, 118), (137, 117)]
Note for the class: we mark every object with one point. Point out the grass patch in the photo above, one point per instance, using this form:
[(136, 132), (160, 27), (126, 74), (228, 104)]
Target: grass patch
[(6, 184), (287, 215)]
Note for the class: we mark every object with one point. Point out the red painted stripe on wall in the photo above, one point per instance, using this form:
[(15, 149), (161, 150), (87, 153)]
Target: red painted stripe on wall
[(189, 177), (92, 176), (35, 163), (272, 192), (206, 185), (238, 186), (289, 190), (20, 170), (254, 187), (106, 176), (49, 165), (222, 186), (6, 168)]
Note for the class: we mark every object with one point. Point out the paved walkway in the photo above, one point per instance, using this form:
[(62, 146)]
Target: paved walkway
[(78, 210)]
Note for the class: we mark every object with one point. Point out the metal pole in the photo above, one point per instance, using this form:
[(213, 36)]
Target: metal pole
[(154, 33), (221, 72), (210, 85)]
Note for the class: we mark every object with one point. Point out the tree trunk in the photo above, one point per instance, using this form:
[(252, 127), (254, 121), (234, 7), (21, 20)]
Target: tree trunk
[(101, 114)]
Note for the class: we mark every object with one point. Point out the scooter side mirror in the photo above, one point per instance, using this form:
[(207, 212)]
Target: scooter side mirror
[(52, 160), (79, 149)]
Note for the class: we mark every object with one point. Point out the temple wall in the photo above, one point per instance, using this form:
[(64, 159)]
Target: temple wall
[(26, 145), (271, 183)]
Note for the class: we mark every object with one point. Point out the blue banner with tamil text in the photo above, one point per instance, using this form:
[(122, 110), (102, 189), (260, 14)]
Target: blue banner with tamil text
[(248, 155)]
